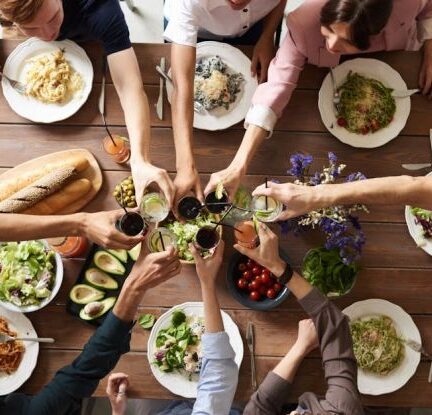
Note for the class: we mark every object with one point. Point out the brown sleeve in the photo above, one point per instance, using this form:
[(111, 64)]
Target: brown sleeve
[(270, 397), (340, 366)]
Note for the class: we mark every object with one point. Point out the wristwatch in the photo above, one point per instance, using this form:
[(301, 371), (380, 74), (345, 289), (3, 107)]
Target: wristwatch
[(287, 274)]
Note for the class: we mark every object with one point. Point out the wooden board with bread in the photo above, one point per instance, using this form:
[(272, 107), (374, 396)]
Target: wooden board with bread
[(57, 183)]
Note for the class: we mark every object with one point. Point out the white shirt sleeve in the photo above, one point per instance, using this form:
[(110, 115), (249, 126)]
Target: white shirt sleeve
[(182, 27), (261, 116)]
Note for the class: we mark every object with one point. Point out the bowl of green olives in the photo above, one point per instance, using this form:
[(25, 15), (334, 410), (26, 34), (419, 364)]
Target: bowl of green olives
[(126, 186)]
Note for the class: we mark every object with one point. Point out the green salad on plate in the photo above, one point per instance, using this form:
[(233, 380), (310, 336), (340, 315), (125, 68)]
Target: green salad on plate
[(27, 272)]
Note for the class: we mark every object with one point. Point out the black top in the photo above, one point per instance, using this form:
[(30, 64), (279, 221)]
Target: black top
[(100, 20)]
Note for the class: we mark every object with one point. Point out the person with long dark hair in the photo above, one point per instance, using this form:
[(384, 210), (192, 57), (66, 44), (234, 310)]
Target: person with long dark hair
[(320, 32)]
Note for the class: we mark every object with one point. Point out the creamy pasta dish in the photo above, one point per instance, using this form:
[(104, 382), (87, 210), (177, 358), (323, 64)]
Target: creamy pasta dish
[(51, 79)]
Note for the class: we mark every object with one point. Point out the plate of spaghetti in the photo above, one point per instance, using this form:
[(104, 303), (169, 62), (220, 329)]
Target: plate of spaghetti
[(58, 77), (17, 360)]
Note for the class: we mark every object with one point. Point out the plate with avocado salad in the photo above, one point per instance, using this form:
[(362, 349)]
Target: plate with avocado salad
[(100, 282)]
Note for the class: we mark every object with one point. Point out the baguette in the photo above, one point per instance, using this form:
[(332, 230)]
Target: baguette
[(37, 191), (13, 185), (61, 199)]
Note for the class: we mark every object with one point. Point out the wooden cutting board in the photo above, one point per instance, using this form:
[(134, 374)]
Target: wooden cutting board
[(92, 173)]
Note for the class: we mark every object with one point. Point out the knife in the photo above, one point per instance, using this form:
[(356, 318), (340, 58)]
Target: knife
[(430, 374), (159, 105), (250, 339), (404, 93), (416, 166)]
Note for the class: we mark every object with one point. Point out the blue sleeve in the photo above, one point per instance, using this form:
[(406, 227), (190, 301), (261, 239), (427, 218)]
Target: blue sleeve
[(80, 379), (107, 24), (218, 377)]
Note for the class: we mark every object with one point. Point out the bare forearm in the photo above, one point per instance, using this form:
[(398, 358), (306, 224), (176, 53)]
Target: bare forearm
[(17, 227), (271, 21), (128, 300), (288, 366), (398, 190), (212, 314)]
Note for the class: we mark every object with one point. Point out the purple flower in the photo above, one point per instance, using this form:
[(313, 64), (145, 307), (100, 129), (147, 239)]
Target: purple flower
[(159, 356), (332, 157), (353, 177), (316, 179), (300, 164)]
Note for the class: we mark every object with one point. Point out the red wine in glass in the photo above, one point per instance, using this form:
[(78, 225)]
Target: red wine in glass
[(131, 224), (207, 237), (215, 205), (189, 207)]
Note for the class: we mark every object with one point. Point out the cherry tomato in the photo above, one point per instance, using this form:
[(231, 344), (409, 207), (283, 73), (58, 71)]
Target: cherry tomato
[(342, 122), (266, 271), (277, 287), (271, 293), (265, 279), (242, 283), (255, 285), (255, 296), (242, 267), (247, 275), (250, 263), (256, 270), (263, 290)]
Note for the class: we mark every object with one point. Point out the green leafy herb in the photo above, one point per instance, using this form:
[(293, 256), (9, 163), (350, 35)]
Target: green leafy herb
[(146, 321), (178, 318), (325, 270)]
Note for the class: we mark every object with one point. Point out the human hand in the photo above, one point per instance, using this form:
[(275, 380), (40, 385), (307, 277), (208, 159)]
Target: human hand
[(297, 199), (267, 253), (101, 229), (208, 268), (263, 54), (230, 178), (425, 76), (187, 180), (116, 391), (145, 174), (307, 338)]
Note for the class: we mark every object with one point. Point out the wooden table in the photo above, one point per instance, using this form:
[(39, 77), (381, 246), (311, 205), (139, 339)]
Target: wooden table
[(393, 267)]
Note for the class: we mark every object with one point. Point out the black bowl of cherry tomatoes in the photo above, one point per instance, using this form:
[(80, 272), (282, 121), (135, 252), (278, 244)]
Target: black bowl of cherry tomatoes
[(253, 285)]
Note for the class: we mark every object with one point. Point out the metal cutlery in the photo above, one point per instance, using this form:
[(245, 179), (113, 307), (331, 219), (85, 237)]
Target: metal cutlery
[(336, 96), (416, 166), (18, 86), (6, 338), (101, 103), (430, 374), (159, 105), (417, 347), (198, 107), (404, 93), (250, 339)]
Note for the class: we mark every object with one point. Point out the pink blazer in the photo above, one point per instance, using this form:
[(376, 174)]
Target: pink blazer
[(409, 24)]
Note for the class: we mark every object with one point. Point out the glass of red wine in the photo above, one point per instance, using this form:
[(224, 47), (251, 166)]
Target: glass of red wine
[(132, 224), (207, 238)]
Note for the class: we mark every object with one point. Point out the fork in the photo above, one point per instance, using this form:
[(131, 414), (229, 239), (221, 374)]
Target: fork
[(336, 96), (417, 347), (250, 339), (18, 86), (6, 338)]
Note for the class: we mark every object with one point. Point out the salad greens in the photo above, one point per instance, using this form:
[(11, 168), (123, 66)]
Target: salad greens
[(185, 232), (325, 270), (27, 272), (146, 321), (179, 346), (423, 217)]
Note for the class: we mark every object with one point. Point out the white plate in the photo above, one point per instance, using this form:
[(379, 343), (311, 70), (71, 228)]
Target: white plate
[(371, 68), (19, 323), (57, 284), (176, 382), (373, 384), (16, 67), (416, 230), (237, 61)]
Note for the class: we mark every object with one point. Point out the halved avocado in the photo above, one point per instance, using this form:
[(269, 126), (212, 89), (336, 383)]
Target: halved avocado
[(100, 279), (134, 252), (106, 304), (120, 254), (108, 263), (84, 294)]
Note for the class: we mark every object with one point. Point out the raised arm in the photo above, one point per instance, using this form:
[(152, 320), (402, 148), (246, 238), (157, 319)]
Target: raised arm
[(127, 80), (98, 227), (219, 372), (183, 73), (399, 190), (79, 380)]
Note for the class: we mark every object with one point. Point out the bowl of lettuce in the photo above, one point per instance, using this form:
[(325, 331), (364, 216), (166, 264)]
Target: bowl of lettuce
[(185, 233), (30, 275)]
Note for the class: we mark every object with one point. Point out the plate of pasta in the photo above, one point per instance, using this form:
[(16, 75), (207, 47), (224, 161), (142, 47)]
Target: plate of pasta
[(368, 116), (17, 360), (58, 78), (223, 86), (380, 330)]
